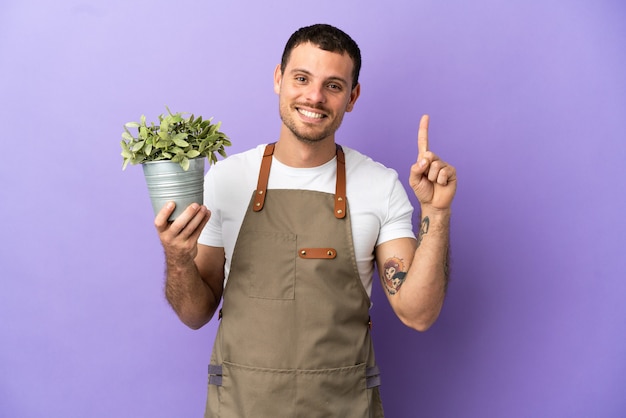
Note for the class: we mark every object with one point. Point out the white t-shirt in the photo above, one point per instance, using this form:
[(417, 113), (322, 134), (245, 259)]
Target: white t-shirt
[(380, 210)]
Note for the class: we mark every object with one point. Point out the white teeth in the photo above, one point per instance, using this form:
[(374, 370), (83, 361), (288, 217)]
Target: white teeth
[(311, 114)]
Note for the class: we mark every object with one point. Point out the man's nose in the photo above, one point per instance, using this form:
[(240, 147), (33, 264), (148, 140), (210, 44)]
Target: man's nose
[(316, 93)]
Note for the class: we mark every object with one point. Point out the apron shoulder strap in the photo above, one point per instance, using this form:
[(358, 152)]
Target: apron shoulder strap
[(264, 175), (340, 187)]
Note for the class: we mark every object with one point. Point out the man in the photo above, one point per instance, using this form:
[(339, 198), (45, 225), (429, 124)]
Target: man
[(290, 241)]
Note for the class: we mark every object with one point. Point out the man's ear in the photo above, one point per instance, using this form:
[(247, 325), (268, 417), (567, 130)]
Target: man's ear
[(354, 94), (278, 78)]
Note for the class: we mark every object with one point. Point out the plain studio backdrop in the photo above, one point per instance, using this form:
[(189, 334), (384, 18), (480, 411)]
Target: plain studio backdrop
[(527, 99)]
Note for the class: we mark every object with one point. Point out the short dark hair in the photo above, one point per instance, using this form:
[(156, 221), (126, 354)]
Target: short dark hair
[(328, 38)]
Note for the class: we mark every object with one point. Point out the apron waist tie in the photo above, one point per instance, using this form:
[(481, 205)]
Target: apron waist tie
[(372, 376), (215, 374)]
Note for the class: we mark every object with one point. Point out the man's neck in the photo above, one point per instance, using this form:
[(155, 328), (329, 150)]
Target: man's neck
[(300, 154)]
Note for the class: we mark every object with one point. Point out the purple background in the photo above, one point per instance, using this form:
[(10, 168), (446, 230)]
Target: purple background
[(527, 99)]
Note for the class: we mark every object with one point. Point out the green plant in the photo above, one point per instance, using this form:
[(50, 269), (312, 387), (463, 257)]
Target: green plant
[(175, 137)]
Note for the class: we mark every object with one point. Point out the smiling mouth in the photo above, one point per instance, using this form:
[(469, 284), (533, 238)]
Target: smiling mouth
[(309, 114)]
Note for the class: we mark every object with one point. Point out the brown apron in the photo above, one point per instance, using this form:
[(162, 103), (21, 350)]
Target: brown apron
[(294, 338)]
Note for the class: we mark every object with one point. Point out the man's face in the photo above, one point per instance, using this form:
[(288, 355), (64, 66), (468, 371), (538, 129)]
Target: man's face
[(314, 92)]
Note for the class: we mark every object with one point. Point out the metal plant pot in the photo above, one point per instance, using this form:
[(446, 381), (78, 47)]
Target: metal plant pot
[(167, 181)]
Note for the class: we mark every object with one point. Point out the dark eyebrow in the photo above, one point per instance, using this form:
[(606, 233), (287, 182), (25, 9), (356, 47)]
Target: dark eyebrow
[(333, 78)]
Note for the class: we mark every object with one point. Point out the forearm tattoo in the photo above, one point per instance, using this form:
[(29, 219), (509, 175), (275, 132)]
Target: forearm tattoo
[(423, 230), (394, 269), (394, 274)]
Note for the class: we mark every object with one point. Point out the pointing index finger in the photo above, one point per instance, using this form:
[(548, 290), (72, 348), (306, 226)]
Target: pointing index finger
[(422, 135)]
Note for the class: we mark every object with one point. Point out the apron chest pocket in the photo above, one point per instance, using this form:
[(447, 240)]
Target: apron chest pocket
[(277, 249)]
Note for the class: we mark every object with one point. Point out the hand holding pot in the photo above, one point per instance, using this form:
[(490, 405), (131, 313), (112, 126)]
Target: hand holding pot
[(180, 237)]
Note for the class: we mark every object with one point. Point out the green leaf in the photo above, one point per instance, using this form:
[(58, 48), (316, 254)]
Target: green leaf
[(193, 153), (180, 142), (127, 136), (185, 163), (137, 146), (179, 139), (143, 132)]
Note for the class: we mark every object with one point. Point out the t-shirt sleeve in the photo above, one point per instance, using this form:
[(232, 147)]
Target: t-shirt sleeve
[(398, 223), (212, 233)]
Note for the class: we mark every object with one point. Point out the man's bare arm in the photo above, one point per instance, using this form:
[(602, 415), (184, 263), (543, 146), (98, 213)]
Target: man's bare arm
[(414, 273), (194, 273), (418, 291)]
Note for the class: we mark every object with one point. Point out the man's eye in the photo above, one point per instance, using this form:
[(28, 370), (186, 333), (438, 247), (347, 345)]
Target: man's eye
[(300, 79), (334, 86)]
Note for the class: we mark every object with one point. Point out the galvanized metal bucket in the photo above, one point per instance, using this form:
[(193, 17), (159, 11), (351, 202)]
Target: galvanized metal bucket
[(167, 181)]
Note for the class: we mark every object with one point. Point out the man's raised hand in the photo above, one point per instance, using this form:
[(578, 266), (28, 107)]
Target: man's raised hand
[(432, 179)]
